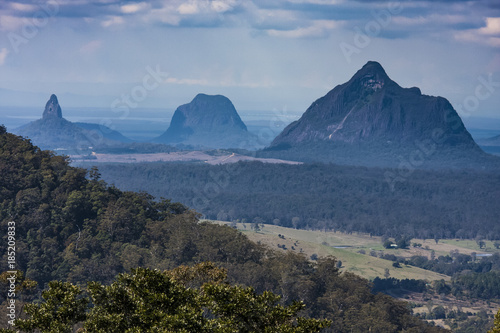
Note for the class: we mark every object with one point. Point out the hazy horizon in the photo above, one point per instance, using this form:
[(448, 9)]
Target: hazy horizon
[(143, 123)]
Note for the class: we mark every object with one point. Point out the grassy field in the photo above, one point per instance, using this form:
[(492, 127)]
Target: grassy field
[(349, 249)]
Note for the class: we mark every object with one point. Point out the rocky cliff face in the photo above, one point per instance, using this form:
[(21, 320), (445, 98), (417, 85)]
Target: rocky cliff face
[(208, 121), (371, 120), (371, 107), (52, 108), (52, 131)]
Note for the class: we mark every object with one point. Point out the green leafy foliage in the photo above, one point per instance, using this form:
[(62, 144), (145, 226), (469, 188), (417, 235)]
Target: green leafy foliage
[(152, 301), (496, 325), (478, 285), (62, 308)]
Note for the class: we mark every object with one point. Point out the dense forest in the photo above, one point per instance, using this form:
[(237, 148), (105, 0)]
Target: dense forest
[(408, 155), (72, 227), (426, 204)]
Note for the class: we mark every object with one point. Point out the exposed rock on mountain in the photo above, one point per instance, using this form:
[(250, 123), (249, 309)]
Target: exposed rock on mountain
[(52, 131), (371, 120), (208, 121), (52, 108)]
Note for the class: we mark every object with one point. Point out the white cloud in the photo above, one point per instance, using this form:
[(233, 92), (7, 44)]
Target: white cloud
[(22, 7), (488, 35), (206, 6), (134, 8), (188, 8), (317, 2), (319, 28), (492, 26), (3, 55), (11, 23), (472, 36), (435, 19), (113, 20), (221, 6)]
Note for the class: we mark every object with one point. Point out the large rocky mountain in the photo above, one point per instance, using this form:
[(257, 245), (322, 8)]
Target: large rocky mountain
[(371, 120), (209, 121), (54, 132)]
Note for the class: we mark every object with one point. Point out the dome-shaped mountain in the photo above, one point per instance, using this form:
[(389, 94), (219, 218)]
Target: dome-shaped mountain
[(208, 121), (371, 120), (52, 131)]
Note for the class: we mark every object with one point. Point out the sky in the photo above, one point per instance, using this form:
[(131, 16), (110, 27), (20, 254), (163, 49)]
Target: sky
[(264, 55)]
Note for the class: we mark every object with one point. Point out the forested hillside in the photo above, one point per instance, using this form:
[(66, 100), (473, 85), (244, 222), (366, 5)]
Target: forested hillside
[(73, 228), (423, 204)]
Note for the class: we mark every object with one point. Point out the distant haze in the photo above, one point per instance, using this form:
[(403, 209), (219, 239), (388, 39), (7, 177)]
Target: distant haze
[(145, 124)]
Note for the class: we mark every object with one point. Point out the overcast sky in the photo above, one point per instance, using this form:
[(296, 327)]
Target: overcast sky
[(262, 54)]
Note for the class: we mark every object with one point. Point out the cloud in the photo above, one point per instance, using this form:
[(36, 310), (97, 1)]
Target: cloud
[(318, 2), (486, 35), (276, 18), (316, 29), (134, 8), (189, 8), (112, 21), (3, 55), (492, 26), (206, 6), (221, 6), (10, 23), (22, 7)]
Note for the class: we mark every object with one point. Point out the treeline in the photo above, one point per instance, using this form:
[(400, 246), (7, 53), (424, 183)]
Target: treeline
[(477, 285), (425, 204), (71, 226), (406, 156), (471, 278), (450, 265), (403, 285)]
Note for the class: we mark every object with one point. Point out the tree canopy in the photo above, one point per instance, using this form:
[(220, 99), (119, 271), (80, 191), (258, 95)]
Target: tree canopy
[(147, 300)]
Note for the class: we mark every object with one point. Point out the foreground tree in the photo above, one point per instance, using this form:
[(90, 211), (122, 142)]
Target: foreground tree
[(187, 299), (496, 325)]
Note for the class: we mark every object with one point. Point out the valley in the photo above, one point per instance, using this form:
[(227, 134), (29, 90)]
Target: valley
[(353, 249), (360, 254)]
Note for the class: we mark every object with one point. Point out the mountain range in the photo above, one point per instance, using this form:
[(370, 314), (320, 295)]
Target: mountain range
[(369, 120)]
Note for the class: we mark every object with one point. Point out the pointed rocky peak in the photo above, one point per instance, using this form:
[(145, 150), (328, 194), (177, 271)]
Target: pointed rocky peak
[(372, 75), (52, 108)]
